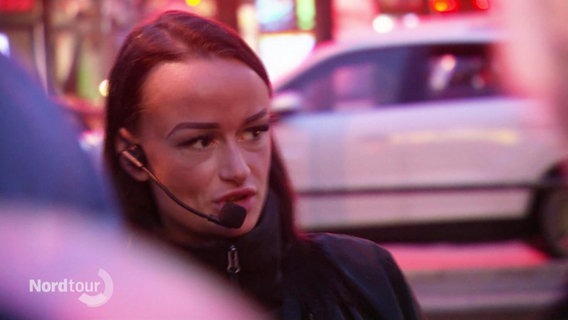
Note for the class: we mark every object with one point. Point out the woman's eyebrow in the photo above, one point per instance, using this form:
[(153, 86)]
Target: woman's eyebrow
[(256, 116), (212, 125), (193, 125)]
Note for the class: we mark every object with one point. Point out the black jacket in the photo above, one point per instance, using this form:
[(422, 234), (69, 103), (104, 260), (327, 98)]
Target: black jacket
[(314, 276)]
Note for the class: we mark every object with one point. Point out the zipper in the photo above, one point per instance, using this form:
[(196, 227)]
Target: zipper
[(233, 266)]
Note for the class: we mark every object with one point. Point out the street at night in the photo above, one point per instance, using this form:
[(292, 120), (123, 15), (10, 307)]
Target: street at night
[(497, 280), (203, 159)]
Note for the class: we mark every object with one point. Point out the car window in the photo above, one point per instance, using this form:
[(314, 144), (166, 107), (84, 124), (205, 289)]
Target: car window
[(353, 81), (352, 86), (460, 71), (391, 77)]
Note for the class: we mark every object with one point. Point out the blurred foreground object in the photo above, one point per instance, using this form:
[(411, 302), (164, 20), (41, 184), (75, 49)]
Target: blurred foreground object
[(42, 161), (536, 61), (59, 265), (536, 56)]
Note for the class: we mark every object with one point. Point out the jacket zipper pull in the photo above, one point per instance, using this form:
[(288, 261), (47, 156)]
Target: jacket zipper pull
[(233, 266)]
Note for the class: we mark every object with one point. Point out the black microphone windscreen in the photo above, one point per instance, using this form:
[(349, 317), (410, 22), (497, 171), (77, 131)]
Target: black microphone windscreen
[(232, 215)]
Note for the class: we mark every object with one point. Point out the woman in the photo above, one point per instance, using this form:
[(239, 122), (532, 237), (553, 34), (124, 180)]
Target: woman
[(188, 106)]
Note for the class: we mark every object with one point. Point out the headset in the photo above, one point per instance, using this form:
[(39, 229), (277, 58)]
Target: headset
[(231, 216)]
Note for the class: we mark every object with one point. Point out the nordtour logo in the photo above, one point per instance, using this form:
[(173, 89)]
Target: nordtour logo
[(92, 293)]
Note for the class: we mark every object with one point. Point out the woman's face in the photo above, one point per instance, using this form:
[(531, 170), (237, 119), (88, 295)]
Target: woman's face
[(205, 131)]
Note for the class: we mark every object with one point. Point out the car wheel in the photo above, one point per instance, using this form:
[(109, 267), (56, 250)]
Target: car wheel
[(554, 221)]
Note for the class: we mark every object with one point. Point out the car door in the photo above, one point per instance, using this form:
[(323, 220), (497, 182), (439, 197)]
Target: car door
[(336, 146), (468, 143)]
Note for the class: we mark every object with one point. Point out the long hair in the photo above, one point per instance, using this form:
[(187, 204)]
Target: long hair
[(173, 36)]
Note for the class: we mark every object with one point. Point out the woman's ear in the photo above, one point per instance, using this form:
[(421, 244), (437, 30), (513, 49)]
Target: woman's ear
[(124, 144)]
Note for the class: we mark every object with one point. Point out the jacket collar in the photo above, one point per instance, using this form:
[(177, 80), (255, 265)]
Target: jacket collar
[(259, 253)]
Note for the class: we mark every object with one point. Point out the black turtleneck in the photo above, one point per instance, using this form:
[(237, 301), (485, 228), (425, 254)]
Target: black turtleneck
[(259, 254), (316, 276)]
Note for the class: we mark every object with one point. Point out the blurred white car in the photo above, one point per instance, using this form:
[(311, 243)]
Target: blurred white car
[(413, 127)]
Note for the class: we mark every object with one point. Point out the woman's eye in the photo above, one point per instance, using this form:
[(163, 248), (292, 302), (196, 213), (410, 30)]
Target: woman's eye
[(255, 133), (199, 143)]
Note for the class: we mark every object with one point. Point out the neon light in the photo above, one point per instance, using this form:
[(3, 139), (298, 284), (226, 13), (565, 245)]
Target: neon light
[(193, 3), (306, 14), (481, 4), (4, 44), (283, 51), (383, 24), (444, 5), (16, 6)]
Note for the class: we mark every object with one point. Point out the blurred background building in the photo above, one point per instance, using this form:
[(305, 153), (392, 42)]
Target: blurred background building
[(69, 44)]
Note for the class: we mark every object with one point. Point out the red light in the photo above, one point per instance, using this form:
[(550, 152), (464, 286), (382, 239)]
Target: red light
[(16, 6), (481, 4), (444, 6)]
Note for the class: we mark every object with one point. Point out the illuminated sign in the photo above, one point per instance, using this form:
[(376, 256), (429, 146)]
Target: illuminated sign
[(452, 6), (4, 44), (16, 6)]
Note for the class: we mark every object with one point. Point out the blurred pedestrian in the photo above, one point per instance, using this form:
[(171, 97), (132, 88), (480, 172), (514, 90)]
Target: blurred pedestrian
[(536, 60), (188, 130), (535, 53), (41, 158)]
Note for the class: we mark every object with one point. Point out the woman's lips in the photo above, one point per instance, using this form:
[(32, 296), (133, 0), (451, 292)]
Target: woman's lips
[(242, 197)]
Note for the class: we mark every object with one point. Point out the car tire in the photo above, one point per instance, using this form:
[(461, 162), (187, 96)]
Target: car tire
[(553, 221)]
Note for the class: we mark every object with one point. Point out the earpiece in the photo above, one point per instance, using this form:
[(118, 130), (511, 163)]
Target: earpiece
[(135, 155)]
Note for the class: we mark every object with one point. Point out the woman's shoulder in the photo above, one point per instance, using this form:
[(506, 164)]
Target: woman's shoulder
[(368, 269), (345, 248)]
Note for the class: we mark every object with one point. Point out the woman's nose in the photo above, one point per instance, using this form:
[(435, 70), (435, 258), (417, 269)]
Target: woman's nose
[(234, 167)]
